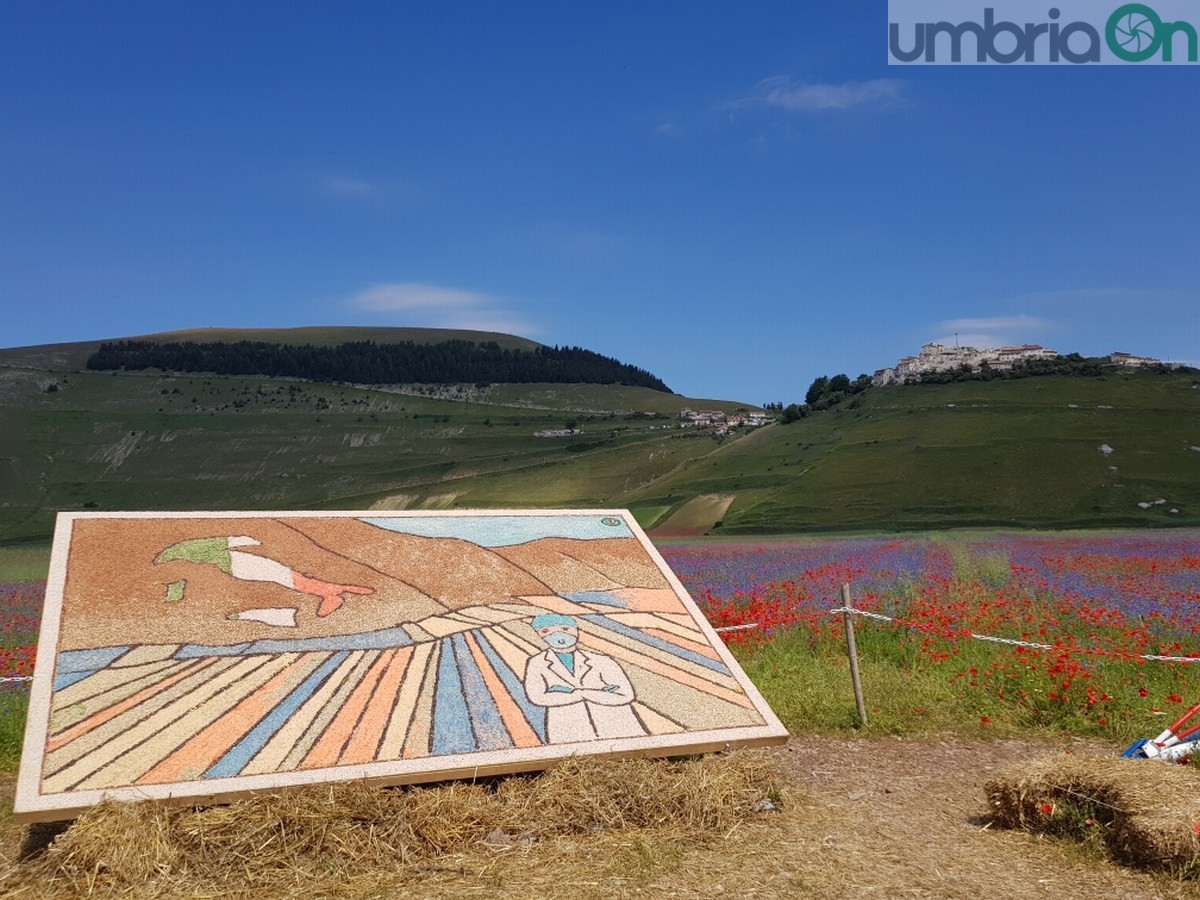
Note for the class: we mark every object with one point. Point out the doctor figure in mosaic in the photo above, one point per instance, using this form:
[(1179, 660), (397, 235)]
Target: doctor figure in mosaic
[(587, 694)]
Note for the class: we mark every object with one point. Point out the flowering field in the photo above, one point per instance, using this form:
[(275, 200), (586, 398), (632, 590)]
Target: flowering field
[(1099, 603), (20, 616)]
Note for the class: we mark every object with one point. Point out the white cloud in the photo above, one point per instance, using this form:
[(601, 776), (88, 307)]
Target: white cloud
[(780, 92), (991, 324), (993, 331), (982, 340), (410, 295), (434, 306), (352, 188)]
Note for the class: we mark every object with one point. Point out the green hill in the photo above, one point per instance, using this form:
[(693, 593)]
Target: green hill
[(1053, 452), (1005, 453)]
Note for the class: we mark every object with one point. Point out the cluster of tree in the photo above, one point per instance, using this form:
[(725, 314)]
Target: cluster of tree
[(1071, 364), (825, 392), (366, 362)]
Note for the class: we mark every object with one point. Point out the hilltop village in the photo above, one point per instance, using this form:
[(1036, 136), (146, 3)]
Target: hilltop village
[(937, 357)]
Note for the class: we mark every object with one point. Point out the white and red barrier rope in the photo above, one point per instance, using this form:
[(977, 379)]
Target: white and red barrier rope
[(1032, 645)]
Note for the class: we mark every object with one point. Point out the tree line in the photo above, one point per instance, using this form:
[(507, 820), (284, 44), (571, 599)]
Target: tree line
[(366, 362)]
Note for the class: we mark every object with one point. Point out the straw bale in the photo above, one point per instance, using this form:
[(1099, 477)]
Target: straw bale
[(290, 842), (587, 795), (1145, 813)]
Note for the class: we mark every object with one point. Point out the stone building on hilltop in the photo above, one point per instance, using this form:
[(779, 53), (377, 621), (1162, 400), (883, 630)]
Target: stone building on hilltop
[(937, 357)]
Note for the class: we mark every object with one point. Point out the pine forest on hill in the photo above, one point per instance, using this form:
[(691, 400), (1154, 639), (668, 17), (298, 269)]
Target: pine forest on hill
[(368, 362)]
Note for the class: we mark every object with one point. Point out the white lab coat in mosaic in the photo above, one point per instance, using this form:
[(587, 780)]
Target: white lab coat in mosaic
[(588, 712)]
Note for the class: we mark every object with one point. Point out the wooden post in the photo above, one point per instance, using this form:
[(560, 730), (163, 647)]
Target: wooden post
[(852, 649)]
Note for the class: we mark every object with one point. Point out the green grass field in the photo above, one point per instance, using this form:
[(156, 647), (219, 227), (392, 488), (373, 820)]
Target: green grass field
[(1024, 453), (24, 562)]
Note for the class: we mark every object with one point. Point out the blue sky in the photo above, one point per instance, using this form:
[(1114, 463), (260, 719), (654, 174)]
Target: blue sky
[(504, 531), (737, 197)]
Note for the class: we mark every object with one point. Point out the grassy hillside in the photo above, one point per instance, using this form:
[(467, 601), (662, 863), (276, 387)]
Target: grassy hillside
[(1017, 453), (87, 440), (1012, 453)]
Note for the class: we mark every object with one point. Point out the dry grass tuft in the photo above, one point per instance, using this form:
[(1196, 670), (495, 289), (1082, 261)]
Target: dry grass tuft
[(288, 844), (1144, 813)]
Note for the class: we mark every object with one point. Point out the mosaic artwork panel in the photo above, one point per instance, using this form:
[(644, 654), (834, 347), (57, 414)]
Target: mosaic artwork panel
[(207, 655)]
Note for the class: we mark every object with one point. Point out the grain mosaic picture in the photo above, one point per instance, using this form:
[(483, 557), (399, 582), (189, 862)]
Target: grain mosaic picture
[(204, 656)]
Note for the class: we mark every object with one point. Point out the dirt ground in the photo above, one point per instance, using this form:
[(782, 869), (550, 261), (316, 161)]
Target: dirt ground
[(908, 818), (885, 817)]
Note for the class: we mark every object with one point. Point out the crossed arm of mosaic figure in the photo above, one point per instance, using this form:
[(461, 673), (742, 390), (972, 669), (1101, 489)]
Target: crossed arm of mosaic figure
[(546, 688)]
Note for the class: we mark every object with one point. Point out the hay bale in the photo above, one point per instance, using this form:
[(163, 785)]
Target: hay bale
[(326, 833), (587, 795), (121, 842), (1144, 812)]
